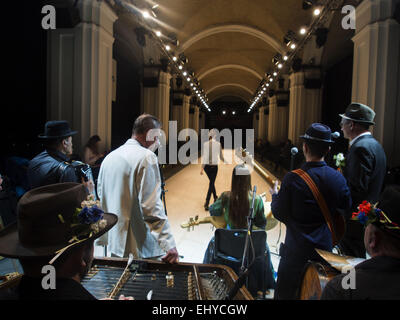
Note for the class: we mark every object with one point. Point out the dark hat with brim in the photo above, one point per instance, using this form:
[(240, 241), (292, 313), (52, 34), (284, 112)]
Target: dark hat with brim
[(56, 130), (318, 133), (358, 112), (388, 203), (44, 224)]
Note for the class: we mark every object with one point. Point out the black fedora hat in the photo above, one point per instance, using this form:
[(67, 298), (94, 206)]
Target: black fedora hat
[(47, 222), (57, 129), (318, 132), (359, 112)]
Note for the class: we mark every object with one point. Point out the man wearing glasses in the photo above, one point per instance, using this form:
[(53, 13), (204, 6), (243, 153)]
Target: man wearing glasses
[(364, 171)]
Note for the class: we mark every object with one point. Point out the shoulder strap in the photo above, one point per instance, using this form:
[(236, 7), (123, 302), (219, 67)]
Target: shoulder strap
[(320, 200)]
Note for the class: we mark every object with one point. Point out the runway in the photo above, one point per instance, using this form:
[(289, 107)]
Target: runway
[(185, 198)]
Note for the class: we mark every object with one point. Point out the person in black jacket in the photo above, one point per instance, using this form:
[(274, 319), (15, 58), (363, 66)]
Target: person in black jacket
[(52, 165), (296, 206), (365, 169), (378, 277)]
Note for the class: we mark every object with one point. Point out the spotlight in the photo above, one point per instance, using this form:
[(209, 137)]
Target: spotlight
[(180, 67), (289, 37), (285, 58), (167, 47), (188, 79), (317, 12), (184, 73), (145, 14), (158, 33), (275, 74), (183, 58), (270, 80), (280, 66), (303, 31), (174, 58), (174, 40), (276, 58), (307, 4), (293, 46)]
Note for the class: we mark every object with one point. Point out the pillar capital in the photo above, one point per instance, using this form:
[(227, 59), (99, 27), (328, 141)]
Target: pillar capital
[(98, 13), (372, 11)]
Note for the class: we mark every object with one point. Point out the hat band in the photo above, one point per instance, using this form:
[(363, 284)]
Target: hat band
[(306, 136)]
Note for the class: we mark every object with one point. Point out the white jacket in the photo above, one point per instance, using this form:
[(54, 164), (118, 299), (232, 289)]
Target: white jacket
[(129, 185)]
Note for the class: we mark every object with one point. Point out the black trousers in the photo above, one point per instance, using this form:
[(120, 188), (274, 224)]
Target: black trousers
[(290, 271), (211, 172)]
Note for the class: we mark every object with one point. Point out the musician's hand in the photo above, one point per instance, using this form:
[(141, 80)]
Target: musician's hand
[(89, 185), (172, 256), (121, 297)]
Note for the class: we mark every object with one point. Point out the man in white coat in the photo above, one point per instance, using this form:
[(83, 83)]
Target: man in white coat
[(129, 185)]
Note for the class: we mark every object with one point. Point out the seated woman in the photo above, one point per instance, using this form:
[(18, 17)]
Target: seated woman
[(234, 207)]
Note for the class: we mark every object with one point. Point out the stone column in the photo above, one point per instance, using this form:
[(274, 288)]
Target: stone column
[(80, 70), (376, 70), (196, 122), (282, 115), (256, 120), (185, 110), (305, 101), (278, 117), (202, 120), (273, 121), (156, 95), (261, 123), (296, 106)]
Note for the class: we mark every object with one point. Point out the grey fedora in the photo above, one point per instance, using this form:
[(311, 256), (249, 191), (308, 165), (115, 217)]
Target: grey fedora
[(359, 112)]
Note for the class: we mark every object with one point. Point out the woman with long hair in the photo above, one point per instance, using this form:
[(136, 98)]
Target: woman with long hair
[(234, 206)]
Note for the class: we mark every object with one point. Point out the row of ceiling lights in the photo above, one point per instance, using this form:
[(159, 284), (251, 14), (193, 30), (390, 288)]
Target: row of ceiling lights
[(292, 43), (179, 64)]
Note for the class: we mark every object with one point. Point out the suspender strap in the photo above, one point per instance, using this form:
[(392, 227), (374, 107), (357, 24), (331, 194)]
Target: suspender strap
[(320, 200)]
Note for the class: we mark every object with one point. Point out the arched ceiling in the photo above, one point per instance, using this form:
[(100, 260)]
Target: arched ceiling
[(230, 43)]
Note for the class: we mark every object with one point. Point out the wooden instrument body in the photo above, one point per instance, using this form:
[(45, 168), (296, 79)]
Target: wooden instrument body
[(315, 277)]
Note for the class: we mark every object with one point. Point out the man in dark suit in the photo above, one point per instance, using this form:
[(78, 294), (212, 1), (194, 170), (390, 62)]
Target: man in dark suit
[(364, 171)]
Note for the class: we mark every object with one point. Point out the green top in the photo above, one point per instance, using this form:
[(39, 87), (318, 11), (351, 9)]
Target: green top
[(218, 209)]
